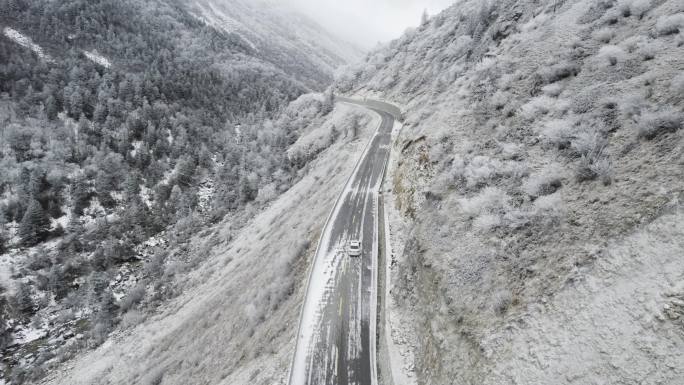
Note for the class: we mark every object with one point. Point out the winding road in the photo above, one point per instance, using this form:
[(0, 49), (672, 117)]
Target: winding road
[(336, 340)]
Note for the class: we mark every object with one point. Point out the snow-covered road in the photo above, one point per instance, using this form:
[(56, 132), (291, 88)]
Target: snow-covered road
[(336, 340)]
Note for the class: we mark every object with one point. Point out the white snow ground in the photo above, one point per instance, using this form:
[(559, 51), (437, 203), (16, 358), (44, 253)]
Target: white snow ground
[(26, 42), (97, 58)]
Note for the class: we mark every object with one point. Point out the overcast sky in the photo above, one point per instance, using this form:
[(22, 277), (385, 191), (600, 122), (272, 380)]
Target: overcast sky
[(367, 22)]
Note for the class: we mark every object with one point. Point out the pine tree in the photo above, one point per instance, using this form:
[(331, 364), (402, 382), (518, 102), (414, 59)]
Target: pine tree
[(75, 226), (38, 185), (5, 333), (79, 194), (35, 225), (132, 188), (424, 17), (23, 301), (328, 102), (3, 242), (51, 108)]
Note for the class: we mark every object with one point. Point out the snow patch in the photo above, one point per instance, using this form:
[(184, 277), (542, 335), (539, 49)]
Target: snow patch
[(30, 334), (26, 42), (97, 58)]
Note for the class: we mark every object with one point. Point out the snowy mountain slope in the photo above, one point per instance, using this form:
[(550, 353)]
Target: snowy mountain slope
[(129, 126), (236, 321), (539, 179), (281, 36)]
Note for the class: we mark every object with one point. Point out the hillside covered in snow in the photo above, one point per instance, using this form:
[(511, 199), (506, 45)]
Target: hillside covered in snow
[(538, 188), (126, 129)]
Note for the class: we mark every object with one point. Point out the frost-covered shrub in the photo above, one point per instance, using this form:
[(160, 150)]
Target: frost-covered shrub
[(507, 80), (677, 86), (458, 167), (267, 193), (132, 318), (549, 209), (646, 51), (501, 301), (499, 99), (538, 107), (481, 169), (552, 90), (587, 142), (491, 200), (487, 222), (133, 297), (653, 124), (636, 8), (596, 11), (546, 181), (460, 47), (559, 71), (668, 25), (558, 132), (611, 55), (594, 165), (603, 169), (604, 35), (631, 106), (511, 150)]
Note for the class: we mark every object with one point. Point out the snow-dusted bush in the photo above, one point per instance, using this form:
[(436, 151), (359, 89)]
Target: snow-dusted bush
[(481, 169), (631, 106), (459, 47), (267, 193), (604, 35), (560, 71), (636, 8), (552, 90), (587, 142), (538, 107), (132, 318), (611, 55), (458, 167), (549, 208), (653, 124), (646, 51), (133, 297), (501, 301), (507, 80), (491, 200), (511, 150), (486, 222), (603, 169), (499, 99), (593, 165), (668, 25), (544, 182), (677, 86), (558, 132)]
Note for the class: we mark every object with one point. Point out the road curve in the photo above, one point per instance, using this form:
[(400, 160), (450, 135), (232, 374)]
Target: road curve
[(336, 337)]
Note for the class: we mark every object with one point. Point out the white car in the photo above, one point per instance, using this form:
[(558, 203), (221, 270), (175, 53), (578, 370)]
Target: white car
[(354, 248)]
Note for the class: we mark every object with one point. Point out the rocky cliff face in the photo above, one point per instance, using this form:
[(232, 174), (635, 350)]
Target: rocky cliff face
[(541, 175)]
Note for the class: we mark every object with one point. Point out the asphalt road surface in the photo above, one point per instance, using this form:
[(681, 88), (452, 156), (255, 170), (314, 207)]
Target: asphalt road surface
[(341, 346)]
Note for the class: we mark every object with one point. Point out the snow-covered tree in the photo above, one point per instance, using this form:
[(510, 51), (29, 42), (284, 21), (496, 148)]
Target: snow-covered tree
[(35, 225)]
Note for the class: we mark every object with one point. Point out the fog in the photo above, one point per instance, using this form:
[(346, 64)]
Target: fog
[(367, 22)]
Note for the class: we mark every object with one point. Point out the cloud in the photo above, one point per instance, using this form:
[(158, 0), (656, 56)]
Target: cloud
[(366, 22)]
